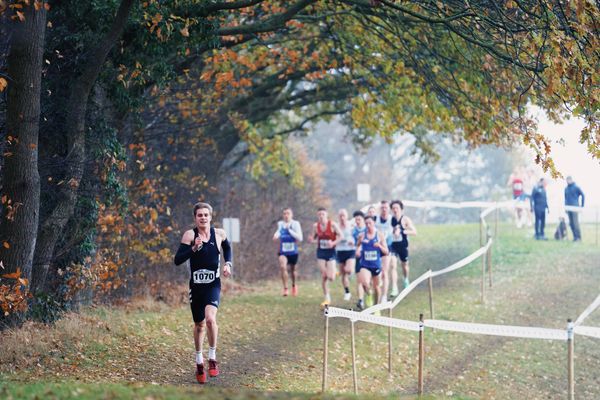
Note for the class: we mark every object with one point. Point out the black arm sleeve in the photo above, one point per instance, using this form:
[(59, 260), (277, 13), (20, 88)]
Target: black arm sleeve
[(183, 254), (227, 254)]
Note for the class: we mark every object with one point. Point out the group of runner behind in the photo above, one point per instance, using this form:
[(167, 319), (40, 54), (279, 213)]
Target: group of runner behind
[(370, 245)]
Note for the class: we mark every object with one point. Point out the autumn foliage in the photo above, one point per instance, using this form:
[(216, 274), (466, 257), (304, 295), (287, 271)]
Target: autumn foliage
[(185, 95)]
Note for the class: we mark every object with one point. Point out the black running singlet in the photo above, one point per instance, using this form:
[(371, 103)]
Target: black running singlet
[(204, 263), (403, 236)]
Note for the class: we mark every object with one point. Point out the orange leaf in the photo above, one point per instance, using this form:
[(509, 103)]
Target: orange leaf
[(6, 245), (3, 84), (21, 16), (14, 275)]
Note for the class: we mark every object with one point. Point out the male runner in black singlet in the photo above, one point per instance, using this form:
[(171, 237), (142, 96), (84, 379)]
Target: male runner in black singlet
[(200, 248)]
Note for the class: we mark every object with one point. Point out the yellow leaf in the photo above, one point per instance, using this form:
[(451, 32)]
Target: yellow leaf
[(3, 84)]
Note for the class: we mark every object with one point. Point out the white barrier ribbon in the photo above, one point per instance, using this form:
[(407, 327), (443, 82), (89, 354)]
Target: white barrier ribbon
[(498, 330), (332, 312), (588, 331), (467, 260), (447, 204), (574, 208), (400, 297), (459, 264), (590, 309)]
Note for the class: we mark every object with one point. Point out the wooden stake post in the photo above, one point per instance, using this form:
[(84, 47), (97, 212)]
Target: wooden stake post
[(483, 262), (390, 343), (430, 297), (421, 355), (480, 231), (354, 377), (489, 264), (325, 345), (570, 363), (496, 216)]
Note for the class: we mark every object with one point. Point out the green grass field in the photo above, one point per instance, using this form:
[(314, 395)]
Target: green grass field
[(272, 346)]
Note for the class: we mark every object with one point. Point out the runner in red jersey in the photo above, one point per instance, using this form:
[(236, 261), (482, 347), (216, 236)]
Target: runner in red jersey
[(327, 235)]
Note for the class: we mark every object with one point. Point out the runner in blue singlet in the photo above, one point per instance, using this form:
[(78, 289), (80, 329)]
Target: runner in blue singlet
[(358, 230), (289, 233), (383, 223), (370, 248)]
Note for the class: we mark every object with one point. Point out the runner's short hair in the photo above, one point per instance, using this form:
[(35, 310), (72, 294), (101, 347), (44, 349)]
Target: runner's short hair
[(286, 208), (200, 205), (369, 217), (399, 202), (384, 202), (321, 209), (358, 214)]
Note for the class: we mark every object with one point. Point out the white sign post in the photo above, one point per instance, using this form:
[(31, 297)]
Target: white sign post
[(232, 229), (363, 192)]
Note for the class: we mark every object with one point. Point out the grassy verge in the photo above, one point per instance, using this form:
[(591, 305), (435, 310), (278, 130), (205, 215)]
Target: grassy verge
[(272, 346)]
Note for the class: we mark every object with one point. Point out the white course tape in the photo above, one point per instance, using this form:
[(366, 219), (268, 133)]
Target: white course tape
[(447, 204), (486, 212), (590, 309), (331, 312), (400, 297), (411, 287), (498, 330), (574, 208), (588, 331), (464, 261), (459, 264)]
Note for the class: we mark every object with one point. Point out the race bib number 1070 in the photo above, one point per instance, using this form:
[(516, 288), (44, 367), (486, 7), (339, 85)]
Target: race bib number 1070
[(204, 276)]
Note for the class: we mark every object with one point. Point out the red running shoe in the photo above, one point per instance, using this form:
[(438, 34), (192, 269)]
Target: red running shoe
[(294, 291), (200, 373), (213, 368)]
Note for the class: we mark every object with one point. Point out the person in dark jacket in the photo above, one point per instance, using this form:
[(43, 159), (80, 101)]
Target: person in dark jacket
[(572, 195), (539, 206)]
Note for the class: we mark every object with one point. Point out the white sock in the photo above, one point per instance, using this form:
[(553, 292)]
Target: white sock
[(199, 359), (212, 353), (327, 297)]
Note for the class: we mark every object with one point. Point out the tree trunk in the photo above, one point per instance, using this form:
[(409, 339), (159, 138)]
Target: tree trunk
[(21, 180), (76, 110)]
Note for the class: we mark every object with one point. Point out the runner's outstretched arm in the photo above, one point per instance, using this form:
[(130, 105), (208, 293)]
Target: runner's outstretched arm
[(185, 250), (183, 253), (296, 231), (409, 228)]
